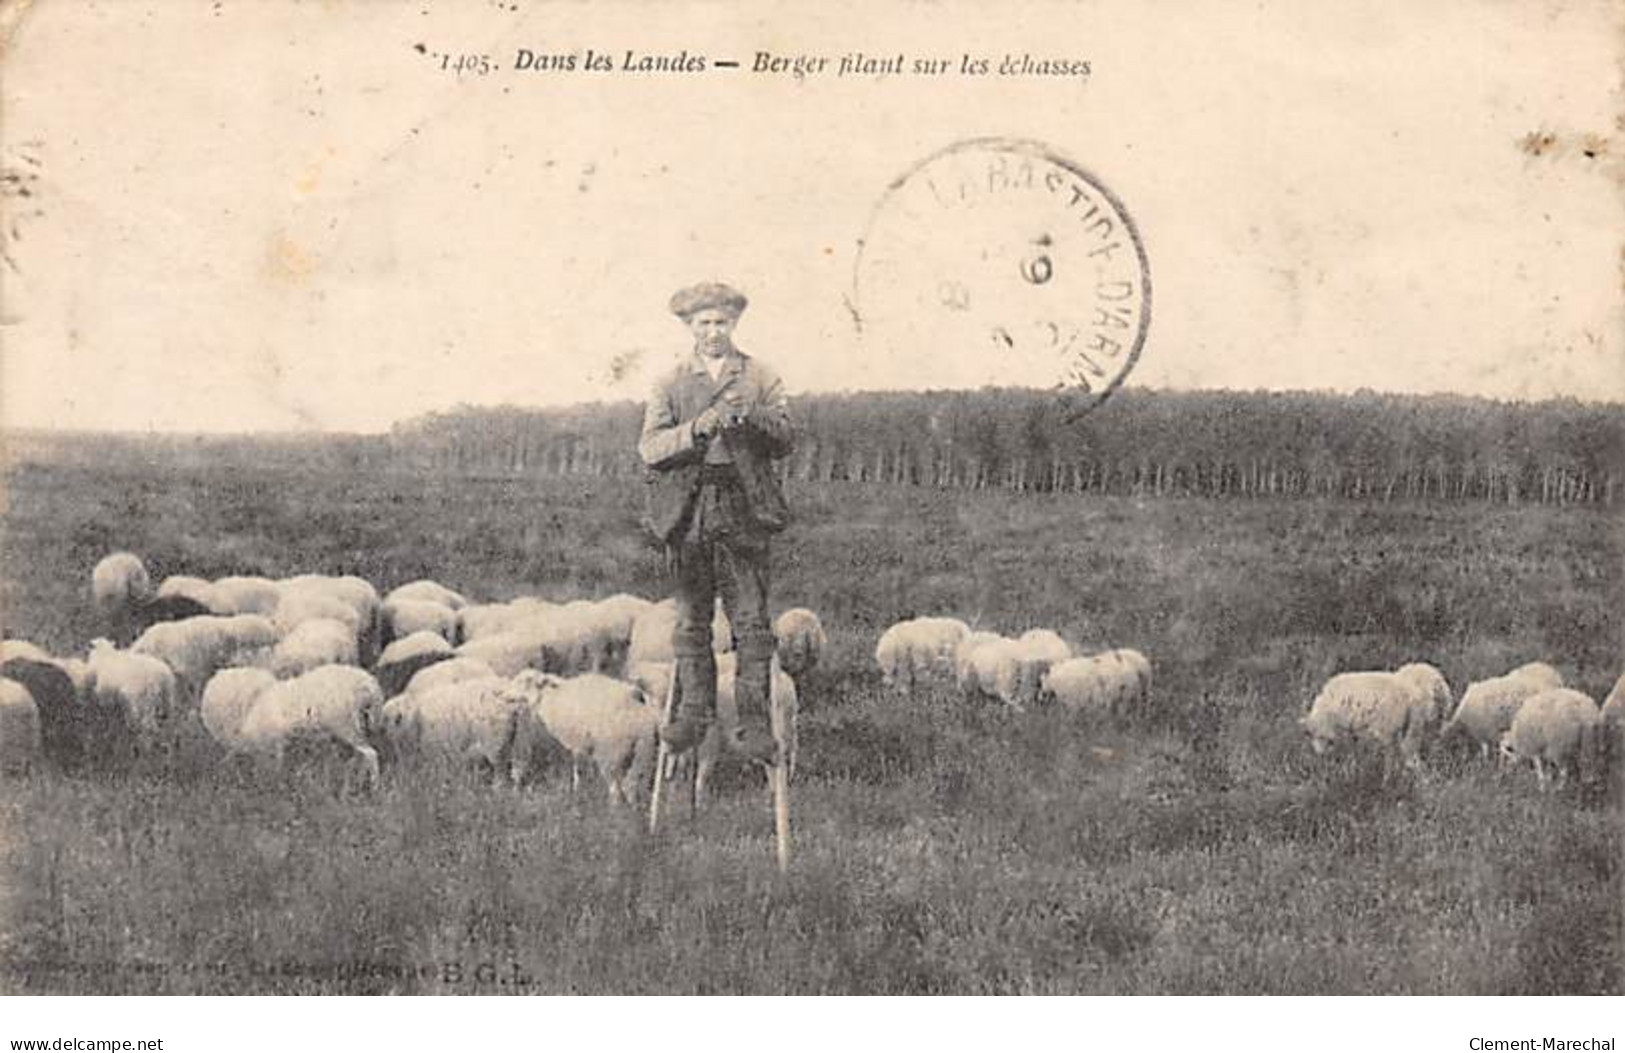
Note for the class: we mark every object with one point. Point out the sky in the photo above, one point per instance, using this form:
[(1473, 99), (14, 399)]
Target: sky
[(285, 216)]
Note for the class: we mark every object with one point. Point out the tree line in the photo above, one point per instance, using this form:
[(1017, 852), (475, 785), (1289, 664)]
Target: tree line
[(1365, 445)]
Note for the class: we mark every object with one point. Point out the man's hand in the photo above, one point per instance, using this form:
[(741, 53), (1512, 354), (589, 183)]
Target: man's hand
[(735, 412), (708, 423)]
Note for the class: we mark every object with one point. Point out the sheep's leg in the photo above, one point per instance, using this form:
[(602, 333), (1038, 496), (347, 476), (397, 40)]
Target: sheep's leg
[(702, 777), (575, 773), (1540, 771)]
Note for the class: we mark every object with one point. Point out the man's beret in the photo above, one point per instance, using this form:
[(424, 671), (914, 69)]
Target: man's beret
[(685, 302)]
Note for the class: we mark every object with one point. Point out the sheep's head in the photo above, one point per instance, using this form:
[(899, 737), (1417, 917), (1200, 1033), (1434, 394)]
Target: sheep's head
[(1508, 750)]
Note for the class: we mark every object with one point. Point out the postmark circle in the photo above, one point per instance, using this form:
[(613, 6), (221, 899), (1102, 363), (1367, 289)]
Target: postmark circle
[(1001, 262)]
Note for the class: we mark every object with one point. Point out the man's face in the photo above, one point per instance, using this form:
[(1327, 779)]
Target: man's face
[(713, 330)]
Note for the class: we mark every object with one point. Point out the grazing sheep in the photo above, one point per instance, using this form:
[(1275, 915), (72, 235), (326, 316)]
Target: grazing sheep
[(167, 609), (10, 649), (424, 591), (652, 678), (1433, 695), (1539, 673), (1113, 682), (1378, 707), (227, 699), (1557, 726), (298, 593), (1487, 707), (782, 713), (21, 744), (478, 621), (119, 584), (138, 687), (404, 658), (474, 720), (197, 648), (451, 671), (313, 644), (977, 661), (239, 594), (801, 641), (403, 617), (920, 647), (336, 702), (1037, 651), (309, 604), (594, 717)]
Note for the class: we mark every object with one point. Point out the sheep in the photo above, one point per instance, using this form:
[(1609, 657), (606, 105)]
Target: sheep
[(140, 688), (1487, 707), (801, 641), (594, 717), (919, 647), (299, 593), (782, 713), (1111, 682), (195, 649), (1539, 673), (1614, 707), (1558, 726), (1377, 706), (336, 702), (1433, 695), (565, 640), (977, 660), (119, 584), (239, 594), (652, 678), (309, 604), (227, 699), (478, 621), (312, 644), (474, 720), (428, 591), (450, 671), (197, 590), (21, 743), (403, 617), (10, 649)]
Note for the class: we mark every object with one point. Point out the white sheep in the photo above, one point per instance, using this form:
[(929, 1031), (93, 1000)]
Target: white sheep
[(405, 616), (313, 644), (473, 720), (1037, 651), (227, 699), (140, 687), (801, 641), (978, 659), (1433, 696), (783, 706), (1539, 673), (414, 645), (336, 702), (21, 746), (424, 590), (594, 717), (1487, 707), (10, 649), (477, 621), (1375, 706), (243, 594), (120, 583), (306, 604), (919, 647), (1557, 726), (1112, 682), (193, 648), (451, 671)]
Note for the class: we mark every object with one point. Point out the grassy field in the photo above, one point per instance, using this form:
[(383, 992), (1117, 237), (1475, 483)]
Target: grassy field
[(942, 847)]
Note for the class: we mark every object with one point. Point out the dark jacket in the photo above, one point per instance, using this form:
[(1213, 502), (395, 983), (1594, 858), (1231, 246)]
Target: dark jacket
[(675, 455)]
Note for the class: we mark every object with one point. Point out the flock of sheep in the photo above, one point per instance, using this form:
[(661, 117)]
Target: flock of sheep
[(1526, 714), (418, 673), (422, 672)]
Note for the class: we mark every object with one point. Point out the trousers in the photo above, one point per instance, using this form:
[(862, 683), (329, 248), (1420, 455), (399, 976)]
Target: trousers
[(722, 556)]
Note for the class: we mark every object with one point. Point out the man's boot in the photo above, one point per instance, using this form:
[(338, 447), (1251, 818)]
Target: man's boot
[(696, 703), (752, 736)]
